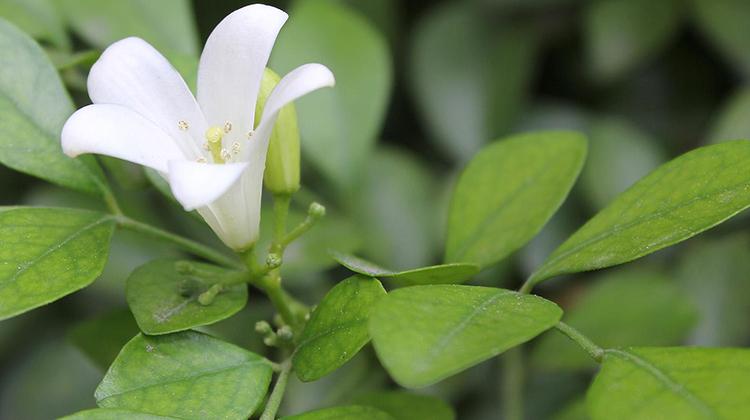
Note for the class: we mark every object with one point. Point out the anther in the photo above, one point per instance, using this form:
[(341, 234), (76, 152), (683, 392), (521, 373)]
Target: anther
[(183, 125), (250, 134), (201, 160), (225, 155), (227, 127), (236, 147)]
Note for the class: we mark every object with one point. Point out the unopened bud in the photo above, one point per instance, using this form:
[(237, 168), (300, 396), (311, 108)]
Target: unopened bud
[(285, 333), (273, 260), (316, 210), (262, 327)]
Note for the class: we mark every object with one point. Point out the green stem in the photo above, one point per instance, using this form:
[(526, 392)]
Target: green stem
[(281, 204), (591, 348), (527, 286), (513, 380), (274, 401), (184, 243)]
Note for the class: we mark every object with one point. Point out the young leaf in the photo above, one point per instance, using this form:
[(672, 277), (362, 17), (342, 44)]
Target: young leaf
[(406, 406), (48, 253), (163, 295), (613, 313), (337, 329), (671, 383), (680, 199), (436, 274), (102, 338), (423, 334), (113, 414), (187, 375), (339, 126), (349, 412), (623, 33), (509, 191), (33, 108), (168, 25)]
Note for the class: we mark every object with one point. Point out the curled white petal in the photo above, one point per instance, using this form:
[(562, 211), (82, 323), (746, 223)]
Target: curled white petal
[(132, 73), (116, 131), (196, 184), (232, 63)]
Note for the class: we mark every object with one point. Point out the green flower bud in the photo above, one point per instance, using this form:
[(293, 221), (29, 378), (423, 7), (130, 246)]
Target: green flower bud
[(282, 161)]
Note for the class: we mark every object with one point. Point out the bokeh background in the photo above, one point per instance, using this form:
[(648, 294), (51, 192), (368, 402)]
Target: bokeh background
[(421, 86)]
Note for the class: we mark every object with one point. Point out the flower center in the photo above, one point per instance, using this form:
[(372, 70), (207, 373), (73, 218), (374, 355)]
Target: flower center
[(214, 135)]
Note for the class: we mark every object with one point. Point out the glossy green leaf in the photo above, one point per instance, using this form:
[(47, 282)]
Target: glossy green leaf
[(187, 375), (48, 253), (337, 328), (407, 406), (168, 25), (113, 414), (621, 34), (714, 274), (671, 383), (436, 274), (619, 155), (724, 22), (339, 125), (101, 338), (509, 191), (163, 295), (635, 307), (349, 412), (396, 210), (469, 75), (37, 18), (423, 334), (732, 122), (680, 199), (33, 108)]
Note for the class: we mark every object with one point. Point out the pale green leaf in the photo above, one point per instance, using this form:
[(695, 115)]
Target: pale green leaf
[(33, 108), (187, 375), (339, 125), (349, 412), (509, 191), (671, 383), (48, 253), (337, 328), (113, 414), (163, 295), (406, 406), (423, 334), (680, 199), (613, 313), (435, 274)]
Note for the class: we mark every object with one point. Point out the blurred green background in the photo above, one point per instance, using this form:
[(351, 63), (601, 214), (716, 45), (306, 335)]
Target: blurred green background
[(421, 86)]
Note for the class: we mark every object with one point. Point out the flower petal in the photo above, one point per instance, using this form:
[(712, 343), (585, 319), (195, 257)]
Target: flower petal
[(116, 131), (232, 65), (197, 184), (297, 83), (132, 73)]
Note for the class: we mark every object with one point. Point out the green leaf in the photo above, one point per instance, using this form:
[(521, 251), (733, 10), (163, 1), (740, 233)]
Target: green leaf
[(406, 406), (188, 375), (621, 34), (48, 253), (113, 414), (168, 25), (423, 334), (436, 274), (33, 108), (724, 23), (732, 122), (613, 313), (469, 75), (680, 199), (671, 383), (102, 338), (619, 155), (350, 412), (339, 125), (37, 18), (724, 301), (163, 295), (509, 191), (337, 328), (396, 209)]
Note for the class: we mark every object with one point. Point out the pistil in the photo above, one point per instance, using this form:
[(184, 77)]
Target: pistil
[(214, 136)]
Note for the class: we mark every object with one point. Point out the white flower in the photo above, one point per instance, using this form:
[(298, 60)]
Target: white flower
[(208, 149)]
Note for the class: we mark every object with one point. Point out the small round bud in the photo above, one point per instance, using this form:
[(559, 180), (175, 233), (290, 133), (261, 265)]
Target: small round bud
[(285, 333), (270, 341), (273, 260), (262, 327), (316, 210)]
